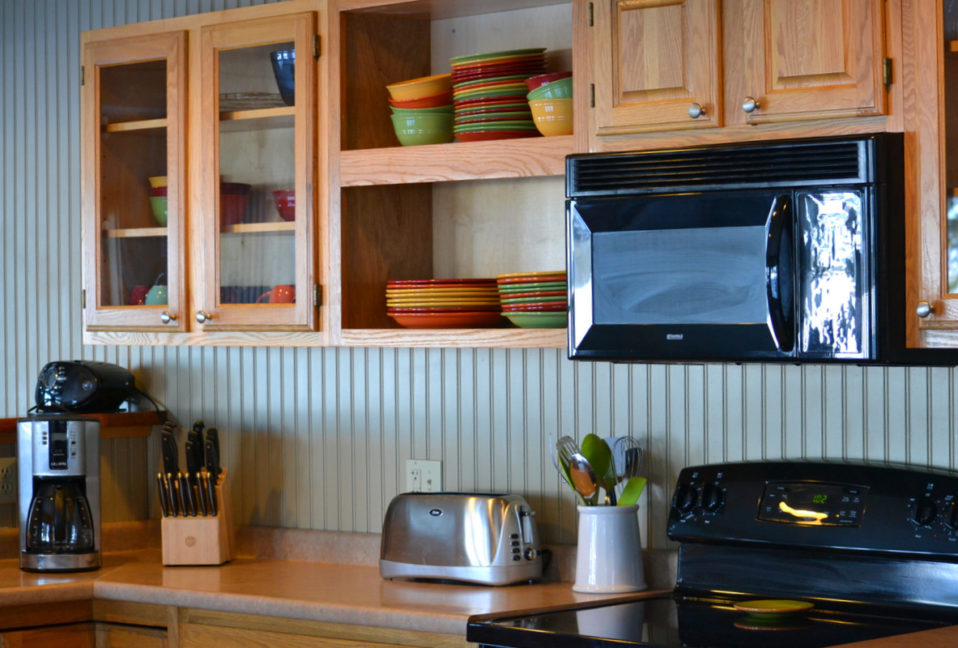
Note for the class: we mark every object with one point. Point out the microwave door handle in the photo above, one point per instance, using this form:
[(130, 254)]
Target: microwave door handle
[(779, 272)]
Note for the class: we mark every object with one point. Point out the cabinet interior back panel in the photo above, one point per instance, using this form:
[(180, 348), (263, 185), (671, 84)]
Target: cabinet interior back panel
[(318, 438)]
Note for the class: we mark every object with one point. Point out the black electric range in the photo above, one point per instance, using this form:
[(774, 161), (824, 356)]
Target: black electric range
[(873, 549)]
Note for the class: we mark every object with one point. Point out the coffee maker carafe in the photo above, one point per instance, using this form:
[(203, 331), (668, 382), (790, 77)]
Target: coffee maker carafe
[(58, 459)]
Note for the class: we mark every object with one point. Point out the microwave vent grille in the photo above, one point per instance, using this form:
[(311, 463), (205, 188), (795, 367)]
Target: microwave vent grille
[(817, 163)]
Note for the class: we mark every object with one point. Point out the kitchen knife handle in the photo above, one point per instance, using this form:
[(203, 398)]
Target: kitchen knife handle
[(170, 485), (199, 497), (187, 491), (161, 492), (211, 489)]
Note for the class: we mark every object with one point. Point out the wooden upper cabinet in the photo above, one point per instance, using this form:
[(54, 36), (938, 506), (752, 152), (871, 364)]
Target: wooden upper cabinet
[(134, 126), (254, 266), (657, 65), (803, 59)]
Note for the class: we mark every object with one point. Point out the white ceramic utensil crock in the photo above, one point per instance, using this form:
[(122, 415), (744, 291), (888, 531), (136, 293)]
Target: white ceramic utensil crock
[(609, 554)]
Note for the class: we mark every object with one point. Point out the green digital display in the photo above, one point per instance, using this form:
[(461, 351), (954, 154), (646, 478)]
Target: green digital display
[(820, 498)]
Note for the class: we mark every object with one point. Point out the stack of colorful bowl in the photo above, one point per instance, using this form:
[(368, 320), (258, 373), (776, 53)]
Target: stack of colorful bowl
[(489, 94), (158, 200), (443, 303), (551, 103), (534, 299), (422, 110)]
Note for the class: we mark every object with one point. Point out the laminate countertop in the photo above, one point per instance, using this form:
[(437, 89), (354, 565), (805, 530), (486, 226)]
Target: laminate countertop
[(319, 591)]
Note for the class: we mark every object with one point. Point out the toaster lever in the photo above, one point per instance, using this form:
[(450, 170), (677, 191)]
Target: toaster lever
[(526, 516)]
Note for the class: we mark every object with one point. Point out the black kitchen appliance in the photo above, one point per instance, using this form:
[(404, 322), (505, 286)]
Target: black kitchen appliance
[(83, 386), (874, 549), (787, 250), (59, 492)]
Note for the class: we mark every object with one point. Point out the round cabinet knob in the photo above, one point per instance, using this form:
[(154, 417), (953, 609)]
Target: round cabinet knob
[(750, 105), (203, 316), (696, 111), (166, 318), (924, 309)]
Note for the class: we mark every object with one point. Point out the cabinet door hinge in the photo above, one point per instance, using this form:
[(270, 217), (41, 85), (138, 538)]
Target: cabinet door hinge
[(317, 295), (886, 71), (591, 95), (82, 75), (591, 16), (316, 46), (83, 299)]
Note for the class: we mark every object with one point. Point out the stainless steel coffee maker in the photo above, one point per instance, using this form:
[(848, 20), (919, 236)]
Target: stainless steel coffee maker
[(58, 460)]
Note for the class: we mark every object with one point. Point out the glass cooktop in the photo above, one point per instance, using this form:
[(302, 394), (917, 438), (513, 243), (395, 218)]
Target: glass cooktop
[(669, 622)]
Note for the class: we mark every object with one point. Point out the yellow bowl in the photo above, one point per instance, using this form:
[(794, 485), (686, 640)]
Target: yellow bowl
[(552, 116), (420, 87), (157, 181)]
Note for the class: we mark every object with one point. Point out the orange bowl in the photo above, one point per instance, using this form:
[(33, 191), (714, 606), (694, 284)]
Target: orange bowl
[(420, 87)]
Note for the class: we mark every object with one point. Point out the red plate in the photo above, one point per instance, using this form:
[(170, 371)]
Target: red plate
[(434, 282), (541, 293), (482, 136), (530, 308), (526, 71), (442, 309), (448, 320)]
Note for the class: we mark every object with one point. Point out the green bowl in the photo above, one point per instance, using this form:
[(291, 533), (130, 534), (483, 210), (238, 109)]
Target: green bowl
[(538, 320), (561, 89), (158, 203), (423, 128)]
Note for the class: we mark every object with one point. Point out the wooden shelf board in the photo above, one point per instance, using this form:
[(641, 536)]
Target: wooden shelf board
[(472, 338), (257, 228), (137, 125), (122, 425), (442, 9), (257, 119), (135, 232), (494, 159)]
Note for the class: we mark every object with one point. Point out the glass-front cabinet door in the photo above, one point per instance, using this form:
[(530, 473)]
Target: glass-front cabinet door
[(134, 116), (254, 256)]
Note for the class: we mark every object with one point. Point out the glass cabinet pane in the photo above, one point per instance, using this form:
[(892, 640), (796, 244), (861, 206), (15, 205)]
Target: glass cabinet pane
[(133, 213), (950, 84), (257, 176)]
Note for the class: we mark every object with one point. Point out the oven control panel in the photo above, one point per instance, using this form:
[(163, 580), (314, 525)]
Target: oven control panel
[(818, 505)]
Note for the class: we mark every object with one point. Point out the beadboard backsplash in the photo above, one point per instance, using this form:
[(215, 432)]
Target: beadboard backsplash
[(317, 438)]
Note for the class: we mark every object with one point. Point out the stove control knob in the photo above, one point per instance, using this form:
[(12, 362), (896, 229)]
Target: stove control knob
[(925, 511), (712, 497), (688, 496), (951, 516)]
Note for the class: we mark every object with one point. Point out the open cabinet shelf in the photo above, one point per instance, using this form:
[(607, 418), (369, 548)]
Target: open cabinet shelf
[(119, 425)]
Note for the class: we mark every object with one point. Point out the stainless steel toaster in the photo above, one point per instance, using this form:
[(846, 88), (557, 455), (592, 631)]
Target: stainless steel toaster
[(474, 537)]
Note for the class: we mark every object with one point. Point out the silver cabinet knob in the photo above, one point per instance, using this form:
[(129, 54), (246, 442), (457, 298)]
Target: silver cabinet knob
[(166, 318), (203, 316), (924, 309), (750, 104), (696, 111)]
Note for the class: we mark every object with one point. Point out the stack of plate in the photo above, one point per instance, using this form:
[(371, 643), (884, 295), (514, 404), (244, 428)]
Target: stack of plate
[(534, 299), (489, 94), (443, 303)]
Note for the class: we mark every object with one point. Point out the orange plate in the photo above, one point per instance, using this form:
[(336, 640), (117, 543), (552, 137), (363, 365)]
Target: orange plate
[(448, 320), (482, 136)]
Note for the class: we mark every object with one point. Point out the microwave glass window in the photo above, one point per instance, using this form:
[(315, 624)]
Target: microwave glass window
[(832, 275), (713, 275)]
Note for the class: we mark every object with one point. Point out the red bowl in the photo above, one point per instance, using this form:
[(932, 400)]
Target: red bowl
[(157, 191), (432, 101), (542, 79), (285, 204), (234, 201)]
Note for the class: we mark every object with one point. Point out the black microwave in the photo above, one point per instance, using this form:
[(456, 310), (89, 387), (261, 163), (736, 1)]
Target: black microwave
[(786, 250)]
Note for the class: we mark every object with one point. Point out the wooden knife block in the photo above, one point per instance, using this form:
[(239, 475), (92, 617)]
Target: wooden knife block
[(200, 540)]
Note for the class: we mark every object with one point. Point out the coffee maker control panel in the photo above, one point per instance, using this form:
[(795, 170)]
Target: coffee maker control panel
[(58, 450)]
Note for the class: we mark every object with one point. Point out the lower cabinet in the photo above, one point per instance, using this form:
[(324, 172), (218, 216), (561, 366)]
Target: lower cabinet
[(203, 628), (74, 635), (112, 635)]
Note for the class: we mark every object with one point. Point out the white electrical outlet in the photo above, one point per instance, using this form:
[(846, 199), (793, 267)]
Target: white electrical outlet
[(423, 476), (8, 480)]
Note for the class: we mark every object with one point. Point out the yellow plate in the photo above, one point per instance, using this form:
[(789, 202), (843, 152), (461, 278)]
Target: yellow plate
[(772, 607)]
